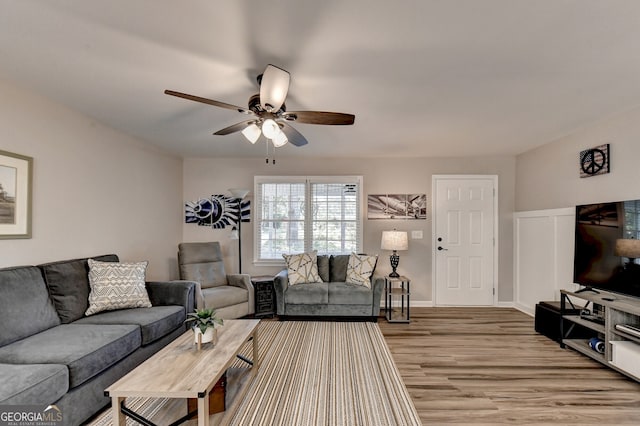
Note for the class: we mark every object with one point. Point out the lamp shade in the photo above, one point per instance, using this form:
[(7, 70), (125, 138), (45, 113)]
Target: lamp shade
[(252, 133), (280, 139), (273, 88), (627, 248), (270, 128), (238, 192), (394, 240)]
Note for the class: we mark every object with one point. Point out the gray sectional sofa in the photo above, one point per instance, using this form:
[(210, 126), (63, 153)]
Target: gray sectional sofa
[(51, 353), (333, 297)]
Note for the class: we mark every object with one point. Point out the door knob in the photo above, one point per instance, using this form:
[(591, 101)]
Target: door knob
[(441, 248)]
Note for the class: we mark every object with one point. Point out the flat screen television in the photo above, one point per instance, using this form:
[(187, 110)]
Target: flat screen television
[(607, 247)]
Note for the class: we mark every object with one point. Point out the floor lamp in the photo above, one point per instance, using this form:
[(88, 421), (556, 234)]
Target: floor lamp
[(238, 195)]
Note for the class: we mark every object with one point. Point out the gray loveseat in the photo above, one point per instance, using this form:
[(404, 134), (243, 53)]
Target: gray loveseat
[(333, 297), (51, 353)]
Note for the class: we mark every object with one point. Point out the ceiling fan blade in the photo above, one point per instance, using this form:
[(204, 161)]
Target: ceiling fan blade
[(273, 88), (294, 137), (319, 117), (234, 128), (208, 101)]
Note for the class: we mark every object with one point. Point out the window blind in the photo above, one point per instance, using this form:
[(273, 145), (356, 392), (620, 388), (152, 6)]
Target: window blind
[(297, 214)]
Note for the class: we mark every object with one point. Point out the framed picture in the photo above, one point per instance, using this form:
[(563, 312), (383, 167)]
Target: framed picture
[(595, 161), (397, 206), (16, 176)]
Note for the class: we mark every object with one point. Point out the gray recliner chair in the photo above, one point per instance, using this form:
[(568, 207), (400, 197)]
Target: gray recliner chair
[(232, 296)]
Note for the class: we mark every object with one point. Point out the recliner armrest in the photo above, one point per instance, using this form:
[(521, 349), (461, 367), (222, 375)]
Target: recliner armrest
[(177, 292), (244, 281)]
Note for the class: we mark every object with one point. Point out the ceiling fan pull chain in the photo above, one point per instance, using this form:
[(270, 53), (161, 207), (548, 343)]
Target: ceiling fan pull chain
[(267, 159)]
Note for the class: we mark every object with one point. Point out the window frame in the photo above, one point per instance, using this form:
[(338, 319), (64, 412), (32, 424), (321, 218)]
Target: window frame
[(308, 222)]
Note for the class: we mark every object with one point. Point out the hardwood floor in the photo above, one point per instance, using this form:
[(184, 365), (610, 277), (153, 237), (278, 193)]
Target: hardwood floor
[(487, 366)]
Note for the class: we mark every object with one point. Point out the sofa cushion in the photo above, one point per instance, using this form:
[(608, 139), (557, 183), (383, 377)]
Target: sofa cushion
[(154, 322), (219, 297), (41, 384), (117, 286), (360, 268), (338, 267), (85, 349), (323, 268), (25, 307), (68, 283), (307, 294), (349, 294), (302, 268)]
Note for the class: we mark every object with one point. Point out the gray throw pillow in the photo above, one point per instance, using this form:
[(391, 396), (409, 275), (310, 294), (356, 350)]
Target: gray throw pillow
[(25, 307), (68, 283), (338, 266), (323, 267)]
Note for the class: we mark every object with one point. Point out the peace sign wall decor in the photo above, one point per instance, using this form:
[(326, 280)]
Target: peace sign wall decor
[(595, 161)]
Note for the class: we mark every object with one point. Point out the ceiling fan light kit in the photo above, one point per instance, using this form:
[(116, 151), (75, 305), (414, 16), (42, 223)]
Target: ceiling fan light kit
[(270, 129), (274, 86), (268, 110), (280, 139), (252, 132)]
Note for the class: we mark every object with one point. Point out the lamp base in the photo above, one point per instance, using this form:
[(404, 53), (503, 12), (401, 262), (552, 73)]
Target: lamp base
[(395, 260)]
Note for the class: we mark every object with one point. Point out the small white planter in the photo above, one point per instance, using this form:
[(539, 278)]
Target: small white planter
[(210, 335)]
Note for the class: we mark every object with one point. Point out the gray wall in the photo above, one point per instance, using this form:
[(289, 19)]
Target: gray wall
[(203, 177), (95, 190), (548, 177)]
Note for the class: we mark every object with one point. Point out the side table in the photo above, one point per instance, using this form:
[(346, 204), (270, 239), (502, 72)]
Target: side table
[(397, 297), (265, 296)]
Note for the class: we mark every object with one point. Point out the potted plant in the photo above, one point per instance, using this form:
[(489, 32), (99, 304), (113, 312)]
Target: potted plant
[(205, 321)]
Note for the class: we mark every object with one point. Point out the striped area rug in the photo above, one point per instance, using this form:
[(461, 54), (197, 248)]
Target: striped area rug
[(319, 373)]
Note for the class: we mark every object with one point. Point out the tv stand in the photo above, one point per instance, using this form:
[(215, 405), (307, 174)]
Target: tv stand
[(587, 288), (621, 344)]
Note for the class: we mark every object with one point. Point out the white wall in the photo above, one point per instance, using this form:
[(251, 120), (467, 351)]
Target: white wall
[(543, 256), (548, 177), (203, 177), (95, 190)]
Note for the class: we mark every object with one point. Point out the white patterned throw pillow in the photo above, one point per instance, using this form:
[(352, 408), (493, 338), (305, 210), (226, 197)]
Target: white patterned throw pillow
[(360, 268), (302, 268), (117, 286)]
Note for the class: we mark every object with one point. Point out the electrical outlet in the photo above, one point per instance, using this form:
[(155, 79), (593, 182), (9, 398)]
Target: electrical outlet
[(416, 235)]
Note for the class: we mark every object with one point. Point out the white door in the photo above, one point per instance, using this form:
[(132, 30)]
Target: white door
[(465, 243)]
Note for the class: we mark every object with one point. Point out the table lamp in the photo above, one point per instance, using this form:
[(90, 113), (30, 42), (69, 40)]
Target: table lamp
[(394, 240)]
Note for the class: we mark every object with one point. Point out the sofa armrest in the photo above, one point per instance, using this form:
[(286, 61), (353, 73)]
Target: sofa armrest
[(244, 281), (280, 283), (177, 292), (377, 285)]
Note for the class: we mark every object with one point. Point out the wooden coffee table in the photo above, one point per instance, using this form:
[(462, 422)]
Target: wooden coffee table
[(180, 370)]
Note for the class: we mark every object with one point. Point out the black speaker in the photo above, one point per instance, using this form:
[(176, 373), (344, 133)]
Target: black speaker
[(547, 322)]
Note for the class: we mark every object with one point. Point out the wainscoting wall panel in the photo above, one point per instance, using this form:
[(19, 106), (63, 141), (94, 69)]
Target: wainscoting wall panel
[(543, 256)]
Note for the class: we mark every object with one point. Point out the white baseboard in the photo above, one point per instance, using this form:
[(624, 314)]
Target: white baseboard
[(422, 304), (415, 304), (525, 309), (429, 304)]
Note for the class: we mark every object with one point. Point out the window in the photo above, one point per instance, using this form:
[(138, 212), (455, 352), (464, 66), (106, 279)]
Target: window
[(632, 219), (295, 214)]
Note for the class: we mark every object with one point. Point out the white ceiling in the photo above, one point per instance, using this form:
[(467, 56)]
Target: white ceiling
[(424, 77)]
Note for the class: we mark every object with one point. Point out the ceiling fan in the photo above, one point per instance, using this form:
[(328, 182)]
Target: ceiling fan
[(268, 114)]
